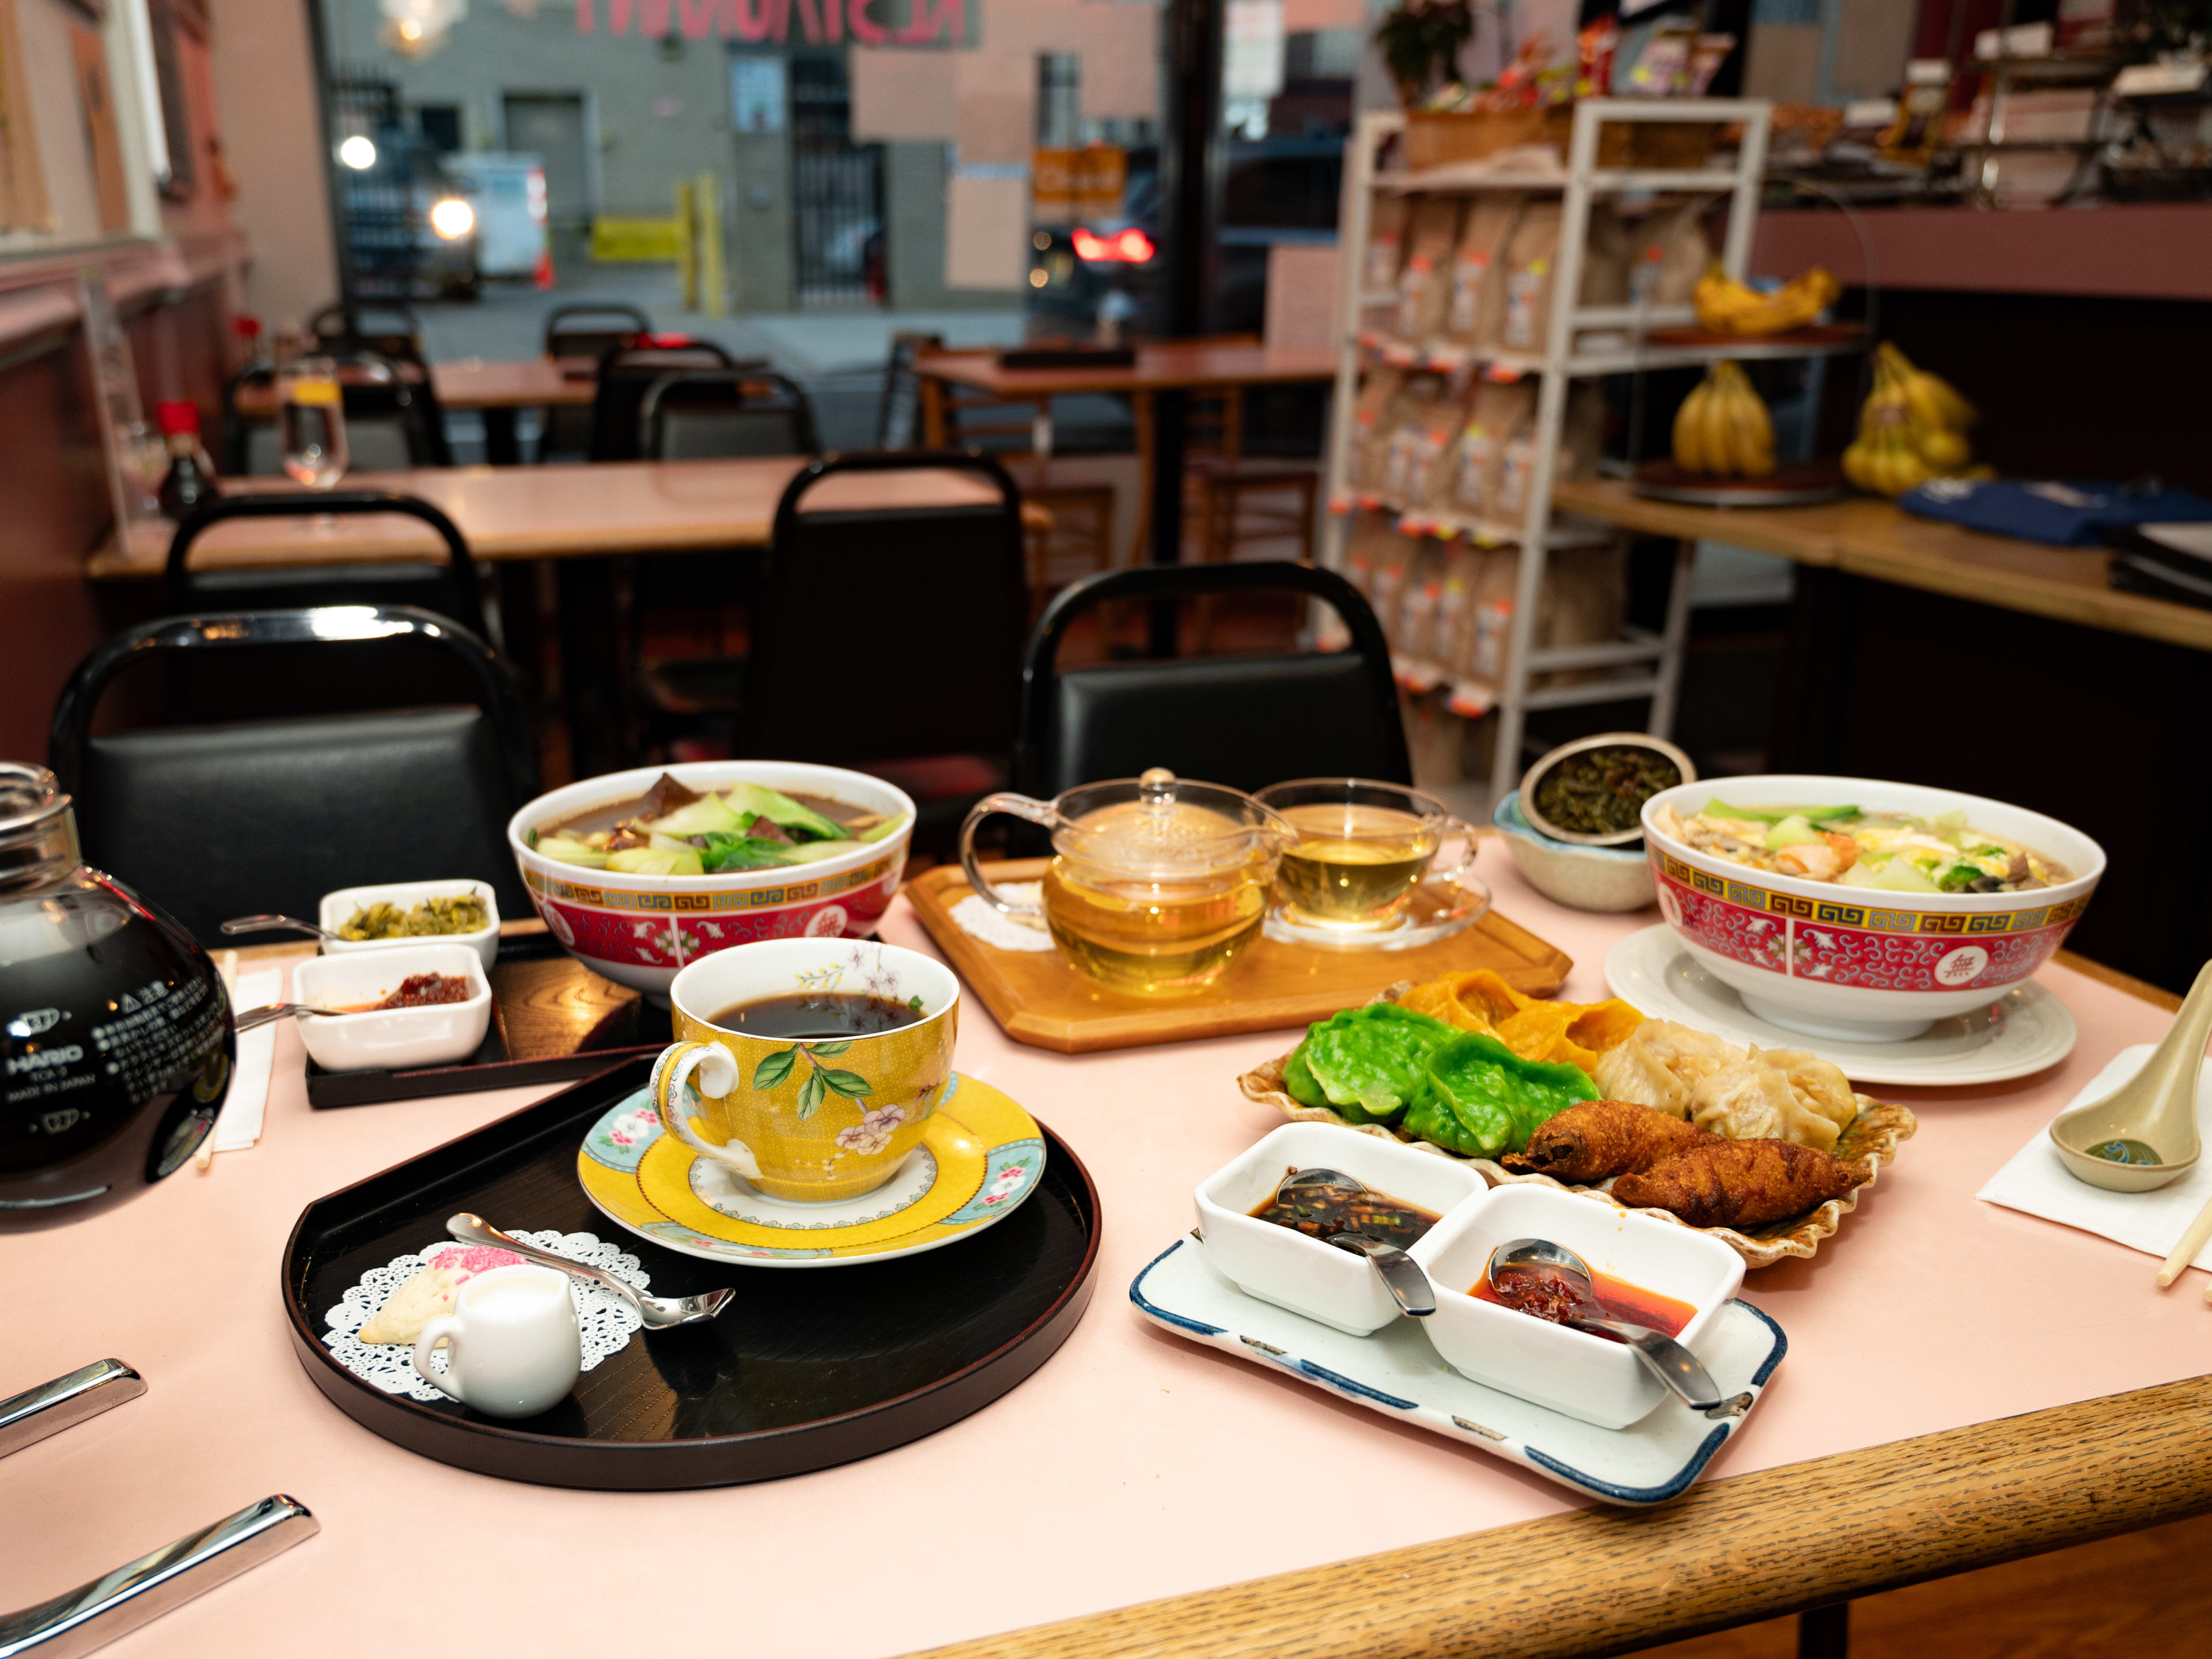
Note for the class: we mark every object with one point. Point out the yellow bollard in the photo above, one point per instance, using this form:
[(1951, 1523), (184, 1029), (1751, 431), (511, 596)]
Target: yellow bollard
[(686, 245), (708, 245)]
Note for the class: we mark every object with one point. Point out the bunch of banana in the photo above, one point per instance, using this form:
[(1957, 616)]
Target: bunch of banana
[(1727, 306), (1911, 428), (1724, 428)]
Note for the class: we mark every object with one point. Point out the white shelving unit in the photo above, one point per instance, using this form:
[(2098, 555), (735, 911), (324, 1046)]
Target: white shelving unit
[(1647, 665)]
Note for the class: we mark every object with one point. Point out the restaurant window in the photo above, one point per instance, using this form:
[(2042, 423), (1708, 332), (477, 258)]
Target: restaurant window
[(890, 163)]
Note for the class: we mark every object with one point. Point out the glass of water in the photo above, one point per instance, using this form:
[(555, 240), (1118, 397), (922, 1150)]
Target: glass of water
[(313, 411)]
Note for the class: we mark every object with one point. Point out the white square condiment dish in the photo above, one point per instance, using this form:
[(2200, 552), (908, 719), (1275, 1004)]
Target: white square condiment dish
[(1284, 1266), (390, 1039), (1591, 1377), (338, 907)]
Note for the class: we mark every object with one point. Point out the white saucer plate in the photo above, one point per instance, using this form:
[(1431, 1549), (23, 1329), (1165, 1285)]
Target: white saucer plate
[(2023, 1031), (1397, 1374)]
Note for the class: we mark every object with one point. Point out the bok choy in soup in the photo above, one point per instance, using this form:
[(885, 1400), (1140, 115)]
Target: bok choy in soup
[(671, 830), (1894, 851)]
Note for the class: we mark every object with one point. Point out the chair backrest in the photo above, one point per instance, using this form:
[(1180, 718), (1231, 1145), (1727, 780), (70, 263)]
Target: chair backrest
[(611, 324), (626, 374), (218, 820), (451, 589), (898, 424), (888, 634), (701, 413), (386, 327), (1247, 721)]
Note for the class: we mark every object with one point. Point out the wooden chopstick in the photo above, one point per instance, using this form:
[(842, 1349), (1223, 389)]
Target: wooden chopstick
[(2192, 1240)]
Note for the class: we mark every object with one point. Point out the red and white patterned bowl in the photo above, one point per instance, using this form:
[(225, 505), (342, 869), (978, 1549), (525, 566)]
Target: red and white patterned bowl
[(1852, 964), (639, 930)]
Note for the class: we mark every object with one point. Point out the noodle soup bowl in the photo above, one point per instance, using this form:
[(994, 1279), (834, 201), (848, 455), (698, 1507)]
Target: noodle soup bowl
[(642, 931), (1857, 963)]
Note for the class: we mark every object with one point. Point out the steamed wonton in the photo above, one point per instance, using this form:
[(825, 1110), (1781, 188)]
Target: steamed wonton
[(1778, 1094), (1661, 1063)]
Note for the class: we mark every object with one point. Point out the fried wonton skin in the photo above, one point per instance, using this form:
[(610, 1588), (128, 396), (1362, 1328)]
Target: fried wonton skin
[(1740, 1183), (1589, 1143)]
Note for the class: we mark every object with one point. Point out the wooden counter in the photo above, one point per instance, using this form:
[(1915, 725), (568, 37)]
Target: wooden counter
[(1866, 537)]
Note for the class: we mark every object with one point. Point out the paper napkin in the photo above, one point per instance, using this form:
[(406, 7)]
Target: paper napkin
[(239, 1126), (2035, 1181)]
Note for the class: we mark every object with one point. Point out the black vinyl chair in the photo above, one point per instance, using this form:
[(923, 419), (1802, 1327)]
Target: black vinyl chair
[(626, 374), (227, 818), (590, 329), (1247, 721), (451, 589), (610, 324), (393, 421), (939, 588), (713, 413), (386, 327)]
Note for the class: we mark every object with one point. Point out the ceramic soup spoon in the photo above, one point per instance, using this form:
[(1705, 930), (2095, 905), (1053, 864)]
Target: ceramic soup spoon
[(2154, 1110)]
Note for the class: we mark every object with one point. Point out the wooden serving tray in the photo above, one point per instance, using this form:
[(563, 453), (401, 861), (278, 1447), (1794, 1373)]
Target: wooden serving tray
[(1042, 1001)]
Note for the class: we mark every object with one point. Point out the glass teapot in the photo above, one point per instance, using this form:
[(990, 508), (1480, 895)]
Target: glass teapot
[(116, 1040), (1156, 885)]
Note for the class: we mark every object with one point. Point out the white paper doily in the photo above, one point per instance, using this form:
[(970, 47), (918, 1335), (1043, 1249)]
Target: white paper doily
[(605, 1319), (977, 915)]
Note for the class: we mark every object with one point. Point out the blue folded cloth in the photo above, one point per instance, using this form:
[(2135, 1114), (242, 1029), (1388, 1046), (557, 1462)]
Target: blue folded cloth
[(2063, 513)]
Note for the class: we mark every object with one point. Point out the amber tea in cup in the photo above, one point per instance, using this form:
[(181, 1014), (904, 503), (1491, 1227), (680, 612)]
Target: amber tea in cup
[(1363, 848), (1351, 864)]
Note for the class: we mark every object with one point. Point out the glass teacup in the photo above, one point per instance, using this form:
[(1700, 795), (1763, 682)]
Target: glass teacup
[(1365, 859)]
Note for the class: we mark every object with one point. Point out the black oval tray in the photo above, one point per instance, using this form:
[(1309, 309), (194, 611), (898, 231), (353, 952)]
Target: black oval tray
[(805, 1369)]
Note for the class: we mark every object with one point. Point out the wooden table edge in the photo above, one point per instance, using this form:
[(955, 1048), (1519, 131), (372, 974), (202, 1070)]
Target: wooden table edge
[(1602, 1580)]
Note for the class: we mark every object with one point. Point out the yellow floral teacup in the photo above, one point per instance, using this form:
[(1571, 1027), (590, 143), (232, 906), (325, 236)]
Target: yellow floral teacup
[(806, 1119)]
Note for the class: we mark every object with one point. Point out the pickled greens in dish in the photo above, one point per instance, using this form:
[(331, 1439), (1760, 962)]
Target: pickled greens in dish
[(1890, 852), (671, 830)]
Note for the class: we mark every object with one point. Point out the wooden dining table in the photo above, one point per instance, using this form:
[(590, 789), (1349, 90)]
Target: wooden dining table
[(568, 511), (1964, 1385), (580, 516), (1155, 385), (495, 391)]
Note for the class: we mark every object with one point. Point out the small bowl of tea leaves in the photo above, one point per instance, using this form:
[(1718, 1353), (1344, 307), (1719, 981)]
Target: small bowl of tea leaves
[(1590, 792)]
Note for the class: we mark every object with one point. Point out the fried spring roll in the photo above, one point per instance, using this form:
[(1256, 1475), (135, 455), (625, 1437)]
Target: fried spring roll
[(1740, 1183), (1602, 1138)]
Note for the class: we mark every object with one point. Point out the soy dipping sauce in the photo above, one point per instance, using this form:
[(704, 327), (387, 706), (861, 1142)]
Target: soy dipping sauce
[(1323, 1211), (819, 1014)]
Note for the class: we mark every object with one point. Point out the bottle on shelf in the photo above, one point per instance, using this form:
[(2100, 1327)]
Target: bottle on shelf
[(190, 478)]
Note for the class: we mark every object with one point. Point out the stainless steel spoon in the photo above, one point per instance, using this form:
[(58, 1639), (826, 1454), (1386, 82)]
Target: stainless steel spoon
[(254, 1017), (658, 1312), (271, 924), (1400, 1274), (1663, 1357), (1317, 1177)]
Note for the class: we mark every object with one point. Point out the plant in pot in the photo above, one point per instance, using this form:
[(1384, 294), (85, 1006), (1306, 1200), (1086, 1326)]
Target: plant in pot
[(1420, 42)]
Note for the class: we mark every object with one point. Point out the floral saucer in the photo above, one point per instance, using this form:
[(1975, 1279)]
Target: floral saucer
[(980, 1158)]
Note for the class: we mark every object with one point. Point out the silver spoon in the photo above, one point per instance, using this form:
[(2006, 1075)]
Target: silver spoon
[(1400, 1274), (1663, 1357), (271, 924), (254, 1017), (658, 1312), (1317, 1177)]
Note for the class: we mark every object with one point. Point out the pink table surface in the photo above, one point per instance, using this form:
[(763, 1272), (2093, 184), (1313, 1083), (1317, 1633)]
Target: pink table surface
[(1131, 1466)]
